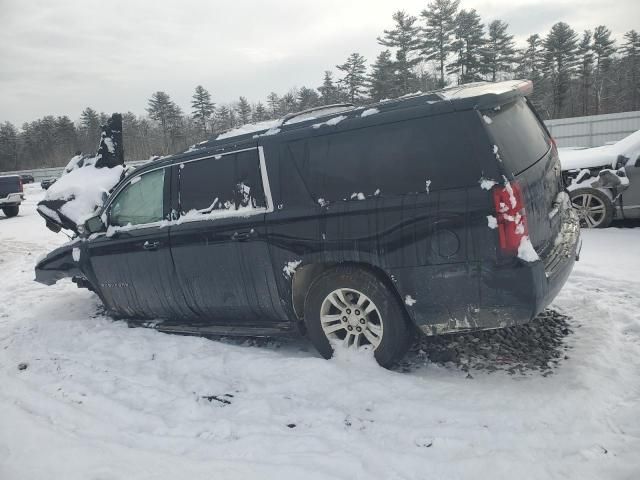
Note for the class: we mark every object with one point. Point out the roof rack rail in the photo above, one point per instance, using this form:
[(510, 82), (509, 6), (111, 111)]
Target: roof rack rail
[(290, 116)]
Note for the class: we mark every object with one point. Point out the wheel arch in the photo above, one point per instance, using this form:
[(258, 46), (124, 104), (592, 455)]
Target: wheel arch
[(306, 274)]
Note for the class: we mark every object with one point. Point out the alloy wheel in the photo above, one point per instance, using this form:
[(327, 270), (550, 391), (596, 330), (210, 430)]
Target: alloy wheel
[(591, 209), (349, 316)]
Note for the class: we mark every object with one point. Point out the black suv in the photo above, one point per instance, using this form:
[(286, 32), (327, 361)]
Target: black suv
[(444, 211)]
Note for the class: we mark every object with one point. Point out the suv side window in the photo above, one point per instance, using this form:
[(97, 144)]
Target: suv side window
[(232, 182), (398, 158), (141, 202)]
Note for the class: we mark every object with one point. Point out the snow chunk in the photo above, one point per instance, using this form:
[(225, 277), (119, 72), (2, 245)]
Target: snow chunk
[(358, 195), (290, 268), (109, 143), (369, 111), (75, 253), (49, 213), (409, 300), (427, 185), (249, 128), (377, 192), (322, 202), (526, 251), (487, 119), (84, 189), (487, 183), (492, 221), (137, 179), (331, 121)]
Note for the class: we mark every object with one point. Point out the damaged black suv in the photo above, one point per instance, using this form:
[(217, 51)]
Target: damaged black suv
[(444, 211)]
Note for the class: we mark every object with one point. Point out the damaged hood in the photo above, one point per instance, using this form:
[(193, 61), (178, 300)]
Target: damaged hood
[(85, 182), (605, 156)]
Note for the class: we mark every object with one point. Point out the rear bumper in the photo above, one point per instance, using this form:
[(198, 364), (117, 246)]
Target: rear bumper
[(487, 295), (12, 199)]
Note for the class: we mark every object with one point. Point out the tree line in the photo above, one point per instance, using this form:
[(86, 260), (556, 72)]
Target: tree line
[(574, 74)]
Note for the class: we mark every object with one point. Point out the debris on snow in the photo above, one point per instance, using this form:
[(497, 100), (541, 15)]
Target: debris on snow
[(409, 300), (290, 268), (487, 183), (369, 111), (492, 221), (526, 251)]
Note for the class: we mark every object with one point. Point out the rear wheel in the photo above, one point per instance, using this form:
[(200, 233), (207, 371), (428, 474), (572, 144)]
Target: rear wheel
[(11, 211), (351, 308), (594, 207)]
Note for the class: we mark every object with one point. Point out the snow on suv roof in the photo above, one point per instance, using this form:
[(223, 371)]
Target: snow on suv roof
[(462, 97)]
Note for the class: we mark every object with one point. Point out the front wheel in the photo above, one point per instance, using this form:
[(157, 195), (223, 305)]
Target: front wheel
[(595, 209), (350, 308), (11, 211)]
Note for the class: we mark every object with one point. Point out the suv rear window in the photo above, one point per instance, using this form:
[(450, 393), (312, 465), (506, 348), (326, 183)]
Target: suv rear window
[(520, 137)]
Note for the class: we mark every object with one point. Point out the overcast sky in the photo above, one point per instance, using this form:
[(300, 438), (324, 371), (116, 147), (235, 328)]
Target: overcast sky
[(57, 57)]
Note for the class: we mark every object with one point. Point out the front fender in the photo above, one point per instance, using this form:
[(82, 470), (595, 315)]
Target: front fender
[(59, 263)]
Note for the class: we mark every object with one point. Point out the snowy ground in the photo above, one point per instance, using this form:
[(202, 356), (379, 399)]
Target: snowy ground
[(84, 397)]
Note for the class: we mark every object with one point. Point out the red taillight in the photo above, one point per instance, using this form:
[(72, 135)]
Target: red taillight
[(554, 145), (511, 216), (20, 184)]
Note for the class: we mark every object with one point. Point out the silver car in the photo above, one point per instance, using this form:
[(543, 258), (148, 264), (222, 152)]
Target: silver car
[(604, 182)]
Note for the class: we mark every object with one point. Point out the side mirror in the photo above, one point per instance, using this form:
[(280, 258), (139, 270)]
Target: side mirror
[(94, 225)]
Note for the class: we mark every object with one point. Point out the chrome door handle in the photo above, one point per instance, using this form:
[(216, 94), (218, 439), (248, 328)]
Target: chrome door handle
[(151, 245)]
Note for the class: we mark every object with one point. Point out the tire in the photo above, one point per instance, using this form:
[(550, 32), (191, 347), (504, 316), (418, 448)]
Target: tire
[(11, 211), (594, 207), (383, 319)]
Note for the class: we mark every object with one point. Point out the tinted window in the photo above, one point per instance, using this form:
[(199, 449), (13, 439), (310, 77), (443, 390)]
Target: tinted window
[(520, 137), (227, 183), (392, 159), (141, 202)]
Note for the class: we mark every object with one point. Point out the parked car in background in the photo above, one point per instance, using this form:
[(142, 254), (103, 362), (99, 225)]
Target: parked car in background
[(11, 195), (26, 178), (47, 182), (604, 182), (444, 211)]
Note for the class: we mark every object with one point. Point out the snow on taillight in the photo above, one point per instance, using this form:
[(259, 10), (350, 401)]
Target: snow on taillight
[(511, 216)]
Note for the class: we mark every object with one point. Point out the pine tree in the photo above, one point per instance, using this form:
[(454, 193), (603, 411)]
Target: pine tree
[(224, 119), (8, 147), (405, 39), (585, 69), (308, 98), (355, 77), (202, 107), (274, 105), (499, 52), (469, 33), (90, 126), (560, 61), (603, 49), (288, 102), (243, 110), (328, 91), (440, 17), (259, 113), (164, 111), (382, 80), (631, 61)]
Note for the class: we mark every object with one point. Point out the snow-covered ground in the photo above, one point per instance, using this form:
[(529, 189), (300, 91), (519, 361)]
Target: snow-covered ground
[(85, 397)]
